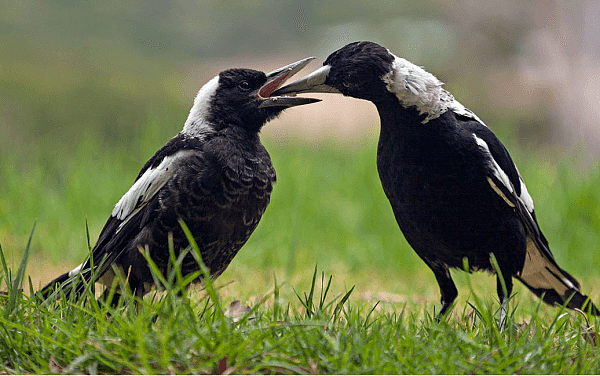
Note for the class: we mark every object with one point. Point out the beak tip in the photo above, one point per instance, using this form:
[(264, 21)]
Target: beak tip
[(287, 102), (275, 79)]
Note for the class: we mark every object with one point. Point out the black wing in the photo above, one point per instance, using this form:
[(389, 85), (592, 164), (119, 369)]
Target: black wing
[(540, 273), (135, 208)]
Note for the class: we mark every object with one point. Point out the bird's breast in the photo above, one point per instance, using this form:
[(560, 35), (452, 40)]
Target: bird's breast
[(427, 173)]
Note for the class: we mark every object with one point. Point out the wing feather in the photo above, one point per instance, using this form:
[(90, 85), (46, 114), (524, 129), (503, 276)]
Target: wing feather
[(133, 211), (540, 269)]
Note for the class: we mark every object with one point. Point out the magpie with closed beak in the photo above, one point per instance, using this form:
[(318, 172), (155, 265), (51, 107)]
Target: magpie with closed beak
[(454, 189), (215, 175)]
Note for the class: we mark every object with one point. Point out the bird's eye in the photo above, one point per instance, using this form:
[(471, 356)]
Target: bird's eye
[(244, 86), (346, 83)]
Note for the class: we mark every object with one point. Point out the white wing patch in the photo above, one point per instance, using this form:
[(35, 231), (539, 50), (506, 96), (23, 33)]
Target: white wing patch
[(196, 124), (415, 87), (524, 197), (497, 170), (146, 187), (499, 192)]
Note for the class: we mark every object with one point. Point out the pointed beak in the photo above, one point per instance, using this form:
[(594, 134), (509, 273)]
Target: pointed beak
[(312, 83), (275, 79)]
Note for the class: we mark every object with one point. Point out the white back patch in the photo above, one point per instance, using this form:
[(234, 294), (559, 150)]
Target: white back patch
[(147, 186), (196, 124), (415, 87)]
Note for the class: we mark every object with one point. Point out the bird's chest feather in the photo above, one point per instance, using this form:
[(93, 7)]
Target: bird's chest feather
[(229, 192), (430, 172), (247, 184), (221, 199)]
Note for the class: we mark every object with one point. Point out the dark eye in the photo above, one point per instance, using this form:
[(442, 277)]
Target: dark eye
[(346, 84), (244, 86)]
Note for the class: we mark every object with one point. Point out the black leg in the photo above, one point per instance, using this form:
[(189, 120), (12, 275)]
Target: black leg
[(447, 288), (503, 298), (507, 282)]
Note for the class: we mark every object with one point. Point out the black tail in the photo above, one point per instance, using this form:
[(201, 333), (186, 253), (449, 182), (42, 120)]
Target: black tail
[(68, 283), (572, 298), (548, 281), (47, 290)]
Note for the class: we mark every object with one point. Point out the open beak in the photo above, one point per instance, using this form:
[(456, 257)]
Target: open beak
[(312, 83), (275, 79)]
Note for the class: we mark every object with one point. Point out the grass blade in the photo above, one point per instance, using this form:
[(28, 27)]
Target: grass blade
[(18, 281), (208, 285)]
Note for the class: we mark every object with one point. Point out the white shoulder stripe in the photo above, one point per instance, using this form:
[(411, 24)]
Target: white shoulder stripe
[(524, 197), (146, 187), (458, 108), (498, 172)]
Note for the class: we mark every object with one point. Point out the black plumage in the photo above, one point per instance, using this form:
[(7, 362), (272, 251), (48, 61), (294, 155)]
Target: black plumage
[(453, 186), (215, 175)]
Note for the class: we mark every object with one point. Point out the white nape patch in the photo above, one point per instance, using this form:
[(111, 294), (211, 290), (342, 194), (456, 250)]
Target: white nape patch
[(75, 271), (196, 124), (498, 172), (415, 87), (146, 187)]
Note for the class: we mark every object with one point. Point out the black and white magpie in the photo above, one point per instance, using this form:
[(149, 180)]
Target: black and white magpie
[(215, 175), (453, 186)]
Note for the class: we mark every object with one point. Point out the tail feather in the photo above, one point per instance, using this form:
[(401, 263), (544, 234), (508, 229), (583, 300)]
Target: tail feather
[(548, 281), (47, 290), (66, 283)]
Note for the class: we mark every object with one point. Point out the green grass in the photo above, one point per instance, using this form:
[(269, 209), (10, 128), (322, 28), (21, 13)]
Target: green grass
[(318, 331), (73, 136), (327, 209)]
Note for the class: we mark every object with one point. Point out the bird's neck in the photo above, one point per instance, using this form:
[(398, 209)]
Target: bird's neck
[(403, 131), (197, 124), (240, 134), (397, 119)]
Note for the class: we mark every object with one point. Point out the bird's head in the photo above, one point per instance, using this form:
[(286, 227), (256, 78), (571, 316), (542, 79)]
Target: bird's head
[(242, 98), (369, 71), (355, 70)]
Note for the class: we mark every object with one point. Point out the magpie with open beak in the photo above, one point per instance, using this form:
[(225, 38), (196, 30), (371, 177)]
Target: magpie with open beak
[(454, 189), (215, 175)]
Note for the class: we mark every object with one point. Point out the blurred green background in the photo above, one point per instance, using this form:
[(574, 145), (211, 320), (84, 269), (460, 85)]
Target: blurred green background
[(89, 90)]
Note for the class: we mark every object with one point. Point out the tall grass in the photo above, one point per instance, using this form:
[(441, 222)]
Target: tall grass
[(318, 332)]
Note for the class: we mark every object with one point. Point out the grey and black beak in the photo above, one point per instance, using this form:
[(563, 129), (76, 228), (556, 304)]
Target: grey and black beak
[(275, 79), (312, 83)]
